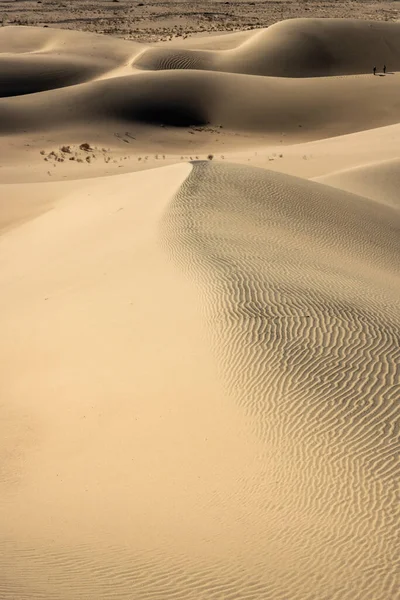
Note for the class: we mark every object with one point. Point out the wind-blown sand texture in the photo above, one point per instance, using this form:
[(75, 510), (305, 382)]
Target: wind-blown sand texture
[(200, 356)]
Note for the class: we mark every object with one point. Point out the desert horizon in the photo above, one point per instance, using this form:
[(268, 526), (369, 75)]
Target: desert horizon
[(200, 316)]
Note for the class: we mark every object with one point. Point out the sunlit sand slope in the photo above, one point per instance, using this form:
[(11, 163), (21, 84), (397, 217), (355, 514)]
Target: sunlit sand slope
[(42, 41), (200, 376), (293, 48), (379, 181), (300, 284), (200, 391)]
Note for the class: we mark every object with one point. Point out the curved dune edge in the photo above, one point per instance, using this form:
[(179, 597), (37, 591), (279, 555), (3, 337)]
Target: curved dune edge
[(293, 48), (200, 375), (65, 79), (22, 41), (322, 107), (42, 59), (280, 263), (324, 157), (34, 59), (203, 361), (378, 181), (38, 73)]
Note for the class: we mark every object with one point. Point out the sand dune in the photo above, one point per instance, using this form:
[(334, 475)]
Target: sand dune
[(21, 202), (273, 105), (378, 181), (199, 363), (34, 60), (321, 107), (270, 428), (294, 48), (322, 158), (37, 40), (29, 74)]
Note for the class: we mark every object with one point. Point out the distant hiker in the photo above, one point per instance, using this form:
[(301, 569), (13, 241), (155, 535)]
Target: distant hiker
[(374, 70), (384, 68)]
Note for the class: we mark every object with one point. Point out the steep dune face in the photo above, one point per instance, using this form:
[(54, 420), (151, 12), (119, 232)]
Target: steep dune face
[(294, 48)]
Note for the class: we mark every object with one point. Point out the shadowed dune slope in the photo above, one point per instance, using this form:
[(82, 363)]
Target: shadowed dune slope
[(35, 73), (319, 108), (294, 48), (35, 59), (378, 181)]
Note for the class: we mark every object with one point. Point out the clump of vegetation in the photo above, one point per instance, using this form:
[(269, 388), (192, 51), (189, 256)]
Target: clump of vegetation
[(210, 156)]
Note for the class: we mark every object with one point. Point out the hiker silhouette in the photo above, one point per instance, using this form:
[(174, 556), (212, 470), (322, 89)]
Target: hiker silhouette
[(374, 70), (384, 68)]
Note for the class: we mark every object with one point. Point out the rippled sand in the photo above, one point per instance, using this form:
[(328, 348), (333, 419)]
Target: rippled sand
[(200, 361)]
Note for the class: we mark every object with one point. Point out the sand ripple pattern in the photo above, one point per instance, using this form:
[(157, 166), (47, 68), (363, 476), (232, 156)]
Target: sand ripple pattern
[(300, 286), (160, 60)]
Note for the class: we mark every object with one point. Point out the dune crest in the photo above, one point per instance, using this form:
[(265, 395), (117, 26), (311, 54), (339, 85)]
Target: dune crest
[(294, 48), (136, 85), (277, 107), (247, 284), (199, 314)]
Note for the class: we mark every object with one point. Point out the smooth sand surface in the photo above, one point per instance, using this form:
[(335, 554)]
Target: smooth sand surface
[(199, 315), (379, 181)]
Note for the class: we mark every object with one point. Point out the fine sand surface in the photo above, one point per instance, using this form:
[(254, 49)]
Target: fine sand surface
[(200, 314)]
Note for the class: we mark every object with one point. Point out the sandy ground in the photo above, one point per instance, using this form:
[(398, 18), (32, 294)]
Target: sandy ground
[(199, 308), (154, 21)]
